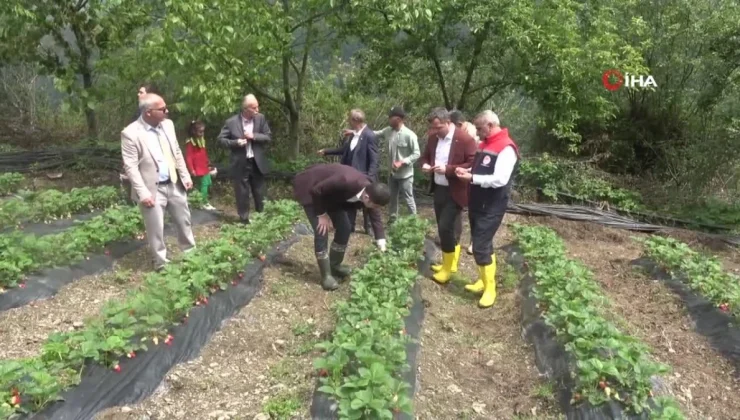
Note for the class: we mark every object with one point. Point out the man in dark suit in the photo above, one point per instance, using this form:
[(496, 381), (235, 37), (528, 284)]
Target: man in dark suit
[(247, 135), (447, 149), (327, 192), (360, 151)]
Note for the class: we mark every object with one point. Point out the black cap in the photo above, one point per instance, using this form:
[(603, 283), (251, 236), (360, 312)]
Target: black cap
[(397, 111)]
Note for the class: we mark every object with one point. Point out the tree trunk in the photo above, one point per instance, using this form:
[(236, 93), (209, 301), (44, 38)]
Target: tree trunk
[(294, 133), (92, 121)]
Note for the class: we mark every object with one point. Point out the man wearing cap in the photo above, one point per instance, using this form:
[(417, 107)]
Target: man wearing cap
[(403, 152)]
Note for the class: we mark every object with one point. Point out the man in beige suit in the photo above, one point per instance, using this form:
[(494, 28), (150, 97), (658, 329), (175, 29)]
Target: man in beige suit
[(159, 178)]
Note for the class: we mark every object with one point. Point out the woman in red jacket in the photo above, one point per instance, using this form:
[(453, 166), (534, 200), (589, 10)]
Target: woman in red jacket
[(196, 158)]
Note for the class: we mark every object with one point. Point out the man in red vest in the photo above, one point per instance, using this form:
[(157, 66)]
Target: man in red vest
[(489, 188)]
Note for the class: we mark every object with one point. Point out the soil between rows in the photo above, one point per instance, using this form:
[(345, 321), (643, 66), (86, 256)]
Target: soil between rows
[(473, 363), (260, 363), (23, 330), (702, 380)]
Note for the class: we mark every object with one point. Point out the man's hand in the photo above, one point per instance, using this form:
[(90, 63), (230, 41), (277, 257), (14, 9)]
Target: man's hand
[(461, 171), (248, 135), (324, 224), (465, 176), (440, 169), (381, 245), (241, 142), (188, 185), (321, 152), (148, 202), (426, 168), (397, 164)]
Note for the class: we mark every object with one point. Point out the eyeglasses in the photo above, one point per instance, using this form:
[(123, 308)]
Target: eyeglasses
[(163, 109)]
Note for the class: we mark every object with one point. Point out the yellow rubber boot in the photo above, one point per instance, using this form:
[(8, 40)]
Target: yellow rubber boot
[(443, 275), (478, 286), (436, 267), (489, 281)]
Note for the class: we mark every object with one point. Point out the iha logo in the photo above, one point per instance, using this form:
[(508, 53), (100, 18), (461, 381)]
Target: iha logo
[(613, 80)]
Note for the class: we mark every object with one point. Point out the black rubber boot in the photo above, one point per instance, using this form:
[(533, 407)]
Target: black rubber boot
[(337, 269), (327, 281)]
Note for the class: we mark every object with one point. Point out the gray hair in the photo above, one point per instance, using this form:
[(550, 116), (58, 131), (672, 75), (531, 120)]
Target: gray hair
[(148, 101), (249, 98), (357, 115), (489, 117), (440, 114)]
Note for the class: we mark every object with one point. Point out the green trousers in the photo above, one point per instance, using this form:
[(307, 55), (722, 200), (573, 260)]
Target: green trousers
[(203, 183)]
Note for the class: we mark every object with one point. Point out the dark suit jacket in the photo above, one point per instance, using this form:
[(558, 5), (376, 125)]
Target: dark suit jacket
[(462, 153), (365, 156), (328, 186), (233, 130)]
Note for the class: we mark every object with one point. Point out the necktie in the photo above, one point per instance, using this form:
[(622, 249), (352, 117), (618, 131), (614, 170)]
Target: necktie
[(167, 153)]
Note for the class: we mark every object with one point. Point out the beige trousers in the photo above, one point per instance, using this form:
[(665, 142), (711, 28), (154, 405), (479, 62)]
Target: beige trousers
[(172, 198)]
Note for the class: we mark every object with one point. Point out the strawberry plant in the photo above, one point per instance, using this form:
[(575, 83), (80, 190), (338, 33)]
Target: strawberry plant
[(48, 205), (362, 363), (609, 365), (702, 274), (22, 254), (143, 318), (10, 183)]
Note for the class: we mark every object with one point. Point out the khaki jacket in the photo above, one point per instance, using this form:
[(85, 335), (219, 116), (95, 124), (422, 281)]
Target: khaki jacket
[(139, 164)]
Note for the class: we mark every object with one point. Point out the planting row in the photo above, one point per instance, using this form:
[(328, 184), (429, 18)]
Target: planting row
[(21, 254), (145, 316), (610, 366), (362, 365), (48, 205), (10, 183), (702, 274)]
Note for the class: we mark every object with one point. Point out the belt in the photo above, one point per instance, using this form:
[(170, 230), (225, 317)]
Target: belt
[(169, 181)]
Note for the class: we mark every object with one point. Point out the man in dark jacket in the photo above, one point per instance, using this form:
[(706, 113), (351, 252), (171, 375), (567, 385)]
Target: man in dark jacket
[(360, 151), (247, 135), (327, 192)]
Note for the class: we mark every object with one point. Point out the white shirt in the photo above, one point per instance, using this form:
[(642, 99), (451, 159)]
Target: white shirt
[(501, 172), (442, 155), (358, 197), (356, 138), (156, 148), (248, 127)]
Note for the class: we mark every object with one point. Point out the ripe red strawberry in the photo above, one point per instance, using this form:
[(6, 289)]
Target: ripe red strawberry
[(15, 400), (262, 257), (323, 373), (22, 285), (117, 368), (724, 307), (205, 301), (602, 384), (131, 355)]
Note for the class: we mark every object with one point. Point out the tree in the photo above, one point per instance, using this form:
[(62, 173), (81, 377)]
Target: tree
[(221, 49), (68, 38)]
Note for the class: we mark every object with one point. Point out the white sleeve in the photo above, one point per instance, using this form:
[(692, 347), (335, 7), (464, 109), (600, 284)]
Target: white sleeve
[(501, 172)]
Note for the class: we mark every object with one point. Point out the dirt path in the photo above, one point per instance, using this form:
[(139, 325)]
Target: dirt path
[(701, 378), (473, 363), (23, 330), (261, 363)]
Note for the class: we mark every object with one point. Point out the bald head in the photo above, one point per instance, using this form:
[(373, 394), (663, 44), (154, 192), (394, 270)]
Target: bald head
[(250, 106), (153, 109)]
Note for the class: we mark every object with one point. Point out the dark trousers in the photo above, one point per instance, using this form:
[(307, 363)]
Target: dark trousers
[(483, 226), (449, 218), (248, 179), (352, 214), (341, 231)]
